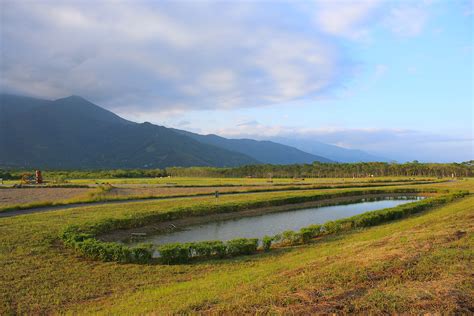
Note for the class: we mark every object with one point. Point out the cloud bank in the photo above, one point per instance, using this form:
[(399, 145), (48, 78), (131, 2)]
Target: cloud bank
[(161, 56), (394, 144)]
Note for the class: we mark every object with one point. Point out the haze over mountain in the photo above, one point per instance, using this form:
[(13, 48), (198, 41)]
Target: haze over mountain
[(332, 152), (75, 133), (265, 151)]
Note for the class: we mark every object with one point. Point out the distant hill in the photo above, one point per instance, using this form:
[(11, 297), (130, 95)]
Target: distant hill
[(332, 152), (264, 151), (75, 133)]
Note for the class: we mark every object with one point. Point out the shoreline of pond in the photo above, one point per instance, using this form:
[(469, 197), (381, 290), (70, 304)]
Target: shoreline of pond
[(178, 224)]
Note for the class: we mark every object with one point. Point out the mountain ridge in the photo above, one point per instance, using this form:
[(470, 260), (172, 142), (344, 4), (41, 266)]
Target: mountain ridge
[(73, 132), (340, 154), (262, 150)]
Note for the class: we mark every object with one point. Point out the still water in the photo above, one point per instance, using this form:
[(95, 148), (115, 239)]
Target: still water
[(273, 223)]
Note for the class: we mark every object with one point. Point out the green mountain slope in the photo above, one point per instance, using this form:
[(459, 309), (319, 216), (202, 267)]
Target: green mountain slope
[(75, 133)]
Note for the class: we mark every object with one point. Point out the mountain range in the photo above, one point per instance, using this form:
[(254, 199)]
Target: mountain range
[(332, 152), (73, 133)]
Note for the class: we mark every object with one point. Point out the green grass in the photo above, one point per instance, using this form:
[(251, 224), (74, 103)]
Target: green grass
[(416, 265)]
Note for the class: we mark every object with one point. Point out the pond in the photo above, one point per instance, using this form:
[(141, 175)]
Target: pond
[(272, 223)]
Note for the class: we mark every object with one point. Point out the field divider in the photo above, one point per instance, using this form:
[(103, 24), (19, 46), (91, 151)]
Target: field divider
[(100, 197)]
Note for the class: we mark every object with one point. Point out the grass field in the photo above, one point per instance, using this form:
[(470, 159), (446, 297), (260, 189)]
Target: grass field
[(420, 264)]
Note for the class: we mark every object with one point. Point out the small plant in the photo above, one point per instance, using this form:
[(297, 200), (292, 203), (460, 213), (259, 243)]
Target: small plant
[(289, 237), (310, 232), (267, 243), (142, 253)]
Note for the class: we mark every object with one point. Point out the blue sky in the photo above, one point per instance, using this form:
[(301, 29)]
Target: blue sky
[(394, 78)]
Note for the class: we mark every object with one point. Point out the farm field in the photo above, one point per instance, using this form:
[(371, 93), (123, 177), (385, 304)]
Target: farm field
[(92, 190), (209, 181), (419, 264), (15, 196)]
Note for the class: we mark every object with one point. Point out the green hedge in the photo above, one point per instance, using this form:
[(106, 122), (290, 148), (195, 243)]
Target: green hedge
[(185, 252), (83, 238), (105, 251)]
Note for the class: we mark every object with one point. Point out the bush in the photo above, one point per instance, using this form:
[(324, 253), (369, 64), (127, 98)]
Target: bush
[(142, 253), (290, 237), (184, 252), (208, 249), (174, 253), (310, 232), (242, 246), (331, 227), (267, 243)]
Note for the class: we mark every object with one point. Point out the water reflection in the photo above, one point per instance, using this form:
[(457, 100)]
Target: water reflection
[(273, 223)]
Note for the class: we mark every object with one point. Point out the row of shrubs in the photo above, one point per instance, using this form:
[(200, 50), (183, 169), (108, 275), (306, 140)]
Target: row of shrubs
[(185, 252), (95, 249), (169, 253), (83, 238)]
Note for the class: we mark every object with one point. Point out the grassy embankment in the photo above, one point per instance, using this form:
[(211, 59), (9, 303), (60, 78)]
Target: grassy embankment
[(420, 264)]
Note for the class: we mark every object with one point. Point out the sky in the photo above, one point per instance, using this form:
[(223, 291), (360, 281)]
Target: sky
[(393, 78)]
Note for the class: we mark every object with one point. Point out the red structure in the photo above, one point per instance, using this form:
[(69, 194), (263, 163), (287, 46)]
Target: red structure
[(38, 177)]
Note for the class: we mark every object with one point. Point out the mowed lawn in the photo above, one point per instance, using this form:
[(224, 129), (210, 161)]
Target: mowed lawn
[(420, 264)]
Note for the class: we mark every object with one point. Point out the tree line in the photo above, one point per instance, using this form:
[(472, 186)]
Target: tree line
[(314, 170), (332, 170)]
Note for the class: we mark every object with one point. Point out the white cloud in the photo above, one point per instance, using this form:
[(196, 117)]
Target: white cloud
[(68, 17), (408, 20), (159, 55), (286, 59), (346, 18), (156, 55), (218, 80)]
